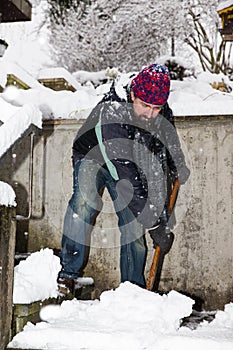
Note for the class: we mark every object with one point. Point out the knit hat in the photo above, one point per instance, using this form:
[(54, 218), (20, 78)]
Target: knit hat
[(152, 84)]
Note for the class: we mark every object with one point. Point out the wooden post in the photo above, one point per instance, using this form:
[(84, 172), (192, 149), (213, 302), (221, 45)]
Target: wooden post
[(7, 253)]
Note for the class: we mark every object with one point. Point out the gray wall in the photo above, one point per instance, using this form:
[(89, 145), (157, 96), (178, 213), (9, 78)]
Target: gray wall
[(201, 260)]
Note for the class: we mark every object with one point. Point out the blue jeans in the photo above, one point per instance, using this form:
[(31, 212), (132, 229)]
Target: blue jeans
[(89, 181)]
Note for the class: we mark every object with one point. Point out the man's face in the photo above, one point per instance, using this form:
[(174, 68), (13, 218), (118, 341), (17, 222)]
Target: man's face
[(144, 111)]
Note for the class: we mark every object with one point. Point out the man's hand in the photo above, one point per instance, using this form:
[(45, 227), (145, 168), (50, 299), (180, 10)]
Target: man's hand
[(162, 237)]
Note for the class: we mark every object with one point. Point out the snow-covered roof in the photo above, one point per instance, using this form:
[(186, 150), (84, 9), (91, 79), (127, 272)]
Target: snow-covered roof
[(224, 4), (59, 72)]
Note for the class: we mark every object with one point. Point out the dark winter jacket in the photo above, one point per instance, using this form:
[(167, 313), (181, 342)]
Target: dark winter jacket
[(142, 154)]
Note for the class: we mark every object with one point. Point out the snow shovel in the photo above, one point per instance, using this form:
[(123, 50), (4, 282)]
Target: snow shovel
[(158, 258)]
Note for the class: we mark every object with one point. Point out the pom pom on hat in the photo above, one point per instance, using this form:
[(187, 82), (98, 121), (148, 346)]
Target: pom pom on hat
[(152, 84)]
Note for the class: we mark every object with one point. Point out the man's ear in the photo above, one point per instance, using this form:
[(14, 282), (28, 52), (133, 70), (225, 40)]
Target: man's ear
[(132, 95)]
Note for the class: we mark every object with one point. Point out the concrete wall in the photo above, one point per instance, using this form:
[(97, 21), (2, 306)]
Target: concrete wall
[(201, 260)]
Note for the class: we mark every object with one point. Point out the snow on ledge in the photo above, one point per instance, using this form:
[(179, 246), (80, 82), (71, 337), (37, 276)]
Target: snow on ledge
[(59, 72), (83, 76), (7, 195), (15, 69), (15, 126)]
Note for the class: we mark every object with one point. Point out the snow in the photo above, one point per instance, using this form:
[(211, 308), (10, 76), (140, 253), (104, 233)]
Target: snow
[(224, 4), (126, 317), (84, 76), (197, 97), (7, 195), (7, 109), (35, 277), (58, 72), (55, 104)]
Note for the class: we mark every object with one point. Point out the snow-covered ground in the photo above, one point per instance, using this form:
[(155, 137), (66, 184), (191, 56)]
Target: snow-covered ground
[(128, 317)]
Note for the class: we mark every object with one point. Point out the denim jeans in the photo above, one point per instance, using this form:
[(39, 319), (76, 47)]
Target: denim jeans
[(89, 181)]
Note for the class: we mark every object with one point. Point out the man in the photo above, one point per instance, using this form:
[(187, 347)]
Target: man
[(128, 145)]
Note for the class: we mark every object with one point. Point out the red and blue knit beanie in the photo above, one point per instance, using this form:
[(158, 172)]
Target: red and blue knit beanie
[(152, 84)]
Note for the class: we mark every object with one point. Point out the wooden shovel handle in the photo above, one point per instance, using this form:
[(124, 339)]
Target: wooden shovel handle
[(153, 268), (156, 256), (173, 195)]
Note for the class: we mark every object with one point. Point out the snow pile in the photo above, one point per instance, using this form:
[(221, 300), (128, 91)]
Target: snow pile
[(225, 317), (12, 129), (7, 195), (126, 318), (129, 317), (35, 278)]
